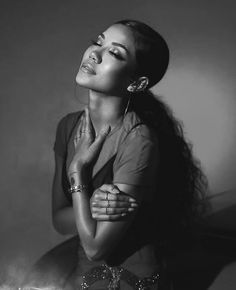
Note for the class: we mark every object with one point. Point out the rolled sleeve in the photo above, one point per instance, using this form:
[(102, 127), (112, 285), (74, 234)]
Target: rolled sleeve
[(137, 161)]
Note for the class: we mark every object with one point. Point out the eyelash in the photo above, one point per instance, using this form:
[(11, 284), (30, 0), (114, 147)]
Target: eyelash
[(95, 43), (111, 52)]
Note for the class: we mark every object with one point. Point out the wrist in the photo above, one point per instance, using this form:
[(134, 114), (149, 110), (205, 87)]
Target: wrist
[(78, 188), (78, 177), (77, 167)]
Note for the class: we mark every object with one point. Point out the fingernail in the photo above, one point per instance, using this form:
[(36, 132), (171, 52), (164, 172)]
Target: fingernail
[(134, 205), (123, 214), (93, 203), (130, 209), (131, 199), (115, 190), (106, 129)]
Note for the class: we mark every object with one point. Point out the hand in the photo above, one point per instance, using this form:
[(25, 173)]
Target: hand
[(87, 147), (108, 203)]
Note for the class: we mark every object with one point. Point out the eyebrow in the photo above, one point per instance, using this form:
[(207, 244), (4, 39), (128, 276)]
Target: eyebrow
[(115, 43)]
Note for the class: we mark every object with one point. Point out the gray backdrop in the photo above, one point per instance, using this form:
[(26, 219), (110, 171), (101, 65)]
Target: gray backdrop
[(41, 46)]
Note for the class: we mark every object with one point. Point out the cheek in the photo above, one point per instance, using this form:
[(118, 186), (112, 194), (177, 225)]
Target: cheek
[(115, 72)]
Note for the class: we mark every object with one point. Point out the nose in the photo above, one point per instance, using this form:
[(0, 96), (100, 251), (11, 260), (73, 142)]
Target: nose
[(95, 56)]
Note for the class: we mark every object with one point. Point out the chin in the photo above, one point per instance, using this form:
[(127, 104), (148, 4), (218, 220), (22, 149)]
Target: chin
[(83, 81)]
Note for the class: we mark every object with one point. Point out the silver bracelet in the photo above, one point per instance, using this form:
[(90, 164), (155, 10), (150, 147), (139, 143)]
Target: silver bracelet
[(77, 188)]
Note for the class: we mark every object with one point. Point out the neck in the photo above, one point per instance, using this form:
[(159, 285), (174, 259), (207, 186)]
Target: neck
[(105, 109)]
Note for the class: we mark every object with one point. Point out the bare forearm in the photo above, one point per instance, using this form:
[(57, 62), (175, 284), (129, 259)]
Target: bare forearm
[(98, 238), (86, 225)]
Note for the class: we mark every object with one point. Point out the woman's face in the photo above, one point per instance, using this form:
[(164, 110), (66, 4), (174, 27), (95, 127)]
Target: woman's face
[(108, 65)]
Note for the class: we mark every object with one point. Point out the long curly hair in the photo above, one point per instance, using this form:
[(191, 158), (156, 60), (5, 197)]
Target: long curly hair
[(182, 185)]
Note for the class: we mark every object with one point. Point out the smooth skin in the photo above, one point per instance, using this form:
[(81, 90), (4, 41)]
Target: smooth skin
[(107, 70)]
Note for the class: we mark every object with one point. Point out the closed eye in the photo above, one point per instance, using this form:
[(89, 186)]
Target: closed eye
[(116, 55), (98, 43), (113, 53)]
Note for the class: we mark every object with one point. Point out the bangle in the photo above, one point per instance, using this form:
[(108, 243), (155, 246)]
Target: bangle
[(77, 188)]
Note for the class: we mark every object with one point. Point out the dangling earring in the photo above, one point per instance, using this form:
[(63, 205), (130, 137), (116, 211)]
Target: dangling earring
[(127, 106), (132, 87)]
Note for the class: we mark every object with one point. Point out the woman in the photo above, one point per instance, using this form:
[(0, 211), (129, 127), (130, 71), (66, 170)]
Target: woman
[(125, 179)]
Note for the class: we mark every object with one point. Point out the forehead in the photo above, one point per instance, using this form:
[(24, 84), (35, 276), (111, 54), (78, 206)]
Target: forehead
[(120, 34)]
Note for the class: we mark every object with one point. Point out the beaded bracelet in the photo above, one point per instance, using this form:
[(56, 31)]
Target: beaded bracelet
[(77, 188)]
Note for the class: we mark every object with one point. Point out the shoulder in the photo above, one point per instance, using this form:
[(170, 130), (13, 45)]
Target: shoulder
[(138, 132), (70, 119), (139, 145), (137, 159), (67, 123)]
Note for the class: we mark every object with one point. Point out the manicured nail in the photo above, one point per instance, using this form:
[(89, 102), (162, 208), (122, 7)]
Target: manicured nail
[(130, 209), (105, 130), (115, 190), (134, 204), (131, 199)]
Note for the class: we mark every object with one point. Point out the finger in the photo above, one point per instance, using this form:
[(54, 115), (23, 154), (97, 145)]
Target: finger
[(110, 188), (83, 123), (105, 195), (109, 217), (78, 131), (100, 195), (111, 211), (88, 127), (97, 144), (113, 204)]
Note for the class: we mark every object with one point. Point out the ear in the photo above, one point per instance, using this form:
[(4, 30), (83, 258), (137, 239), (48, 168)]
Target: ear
[(139, 85)]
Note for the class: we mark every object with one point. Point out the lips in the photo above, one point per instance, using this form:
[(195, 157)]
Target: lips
[(88, 68)]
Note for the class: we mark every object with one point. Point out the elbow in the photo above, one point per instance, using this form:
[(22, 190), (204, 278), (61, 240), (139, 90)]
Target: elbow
[(58, 224), (95, 254), (59, 229)]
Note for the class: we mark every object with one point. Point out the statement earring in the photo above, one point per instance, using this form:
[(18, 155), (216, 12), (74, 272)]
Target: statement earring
[(143, 84), (139, 85), (131, 88)]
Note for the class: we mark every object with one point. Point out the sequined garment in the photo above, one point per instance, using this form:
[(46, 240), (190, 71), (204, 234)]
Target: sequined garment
[(115, 275)]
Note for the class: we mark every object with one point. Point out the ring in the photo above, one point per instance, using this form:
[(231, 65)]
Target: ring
[(85, 131), (107, 196)]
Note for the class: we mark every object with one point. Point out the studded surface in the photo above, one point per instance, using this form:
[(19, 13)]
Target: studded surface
[(114, 275)]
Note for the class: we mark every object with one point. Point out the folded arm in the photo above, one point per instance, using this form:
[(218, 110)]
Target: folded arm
[(120, 205), (98, 238)]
